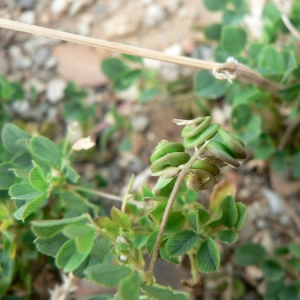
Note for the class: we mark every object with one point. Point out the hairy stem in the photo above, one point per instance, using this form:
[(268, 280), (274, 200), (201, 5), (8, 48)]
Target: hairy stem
[(167, 211), (194, 271), (105, 195), (241, 71), (127, 194)]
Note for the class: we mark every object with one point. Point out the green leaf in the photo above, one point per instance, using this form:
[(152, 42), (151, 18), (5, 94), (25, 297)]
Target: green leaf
[(83, 235), (126, 79), (113, 67), (291, 292), (31, 206), (290, 64), (52, 245), (273, 289), (151, 241), (7, 176), (146, 192), (23, 191), (133, 58), (166, 256), (207, 86), (14, 139), (68, 257), (240, 117), (100, 297), (252, 130), (291, 93), (230, 213), (203, 216), (71, 173), (294, 249), (280, 161), (249, 254), (163, 293), (228, 236), (182, 242), (149, 94), (213, 32), (98, 255), (208, 257), (107, 275), (271, 62), (45, 149), (215, 5), (242, 214), (37, 178), (158, 211), (240, 6), (76, 203), (110, 226), (175, 222), (296, 164), (120, 218), (233, 39), (130, 287), (272, 269), (50, 228), (231, 17)]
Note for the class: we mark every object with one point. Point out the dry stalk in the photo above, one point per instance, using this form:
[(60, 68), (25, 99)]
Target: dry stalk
[(242, 72)]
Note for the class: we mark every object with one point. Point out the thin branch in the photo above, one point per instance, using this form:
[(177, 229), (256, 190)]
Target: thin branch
[(242, 72), (168, 208), (290, 26), (290, 128), (127, 193)]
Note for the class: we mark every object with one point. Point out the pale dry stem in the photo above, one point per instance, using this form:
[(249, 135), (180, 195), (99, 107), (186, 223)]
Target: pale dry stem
[(242, 72)]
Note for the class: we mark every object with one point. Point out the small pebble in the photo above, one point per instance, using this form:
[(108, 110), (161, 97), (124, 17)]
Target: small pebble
[(155, 15), (26, 4), (27, 17), (55, 90), (139, 123)]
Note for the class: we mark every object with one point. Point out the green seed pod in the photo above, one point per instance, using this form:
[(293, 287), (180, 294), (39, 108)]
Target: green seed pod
[(170, 160), (205, 165), (195, 128), (200, 138), (165, 147), (201, 180), (233, 143), (220, 151)]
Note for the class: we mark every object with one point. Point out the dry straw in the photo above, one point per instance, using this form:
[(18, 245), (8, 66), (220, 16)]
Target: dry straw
[(225, 71)]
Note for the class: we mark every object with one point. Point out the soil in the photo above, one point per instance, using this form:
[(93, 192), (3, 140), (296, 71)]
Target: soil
[(158, 25)]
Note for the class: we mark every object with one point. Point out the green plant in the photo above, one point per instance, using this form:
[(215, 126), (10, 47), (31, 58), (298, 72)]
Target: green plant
[(258, 113), (37, 175), (284, 262)]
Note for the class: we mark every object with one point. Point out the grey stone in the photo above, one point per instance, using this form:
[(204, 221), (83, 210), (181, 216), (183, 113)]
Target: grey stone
[(139, 123), (26, 4), (27, 17), (155, 15), (274, 201), (55, 90), (4, 64), (41, 56)]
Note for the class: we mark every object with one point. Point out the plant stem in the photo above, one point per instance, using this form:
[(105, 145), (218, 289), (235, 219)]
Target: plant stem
[(168, 208), (105, 195), (194, 271), (127, 194), (242, 72)]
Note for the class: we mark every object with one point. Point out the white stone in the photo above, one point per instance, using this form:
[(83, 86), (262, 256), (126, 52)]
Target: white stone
[(155, 15), (59, 6), (274, 201), (55, 90), (27, 17)]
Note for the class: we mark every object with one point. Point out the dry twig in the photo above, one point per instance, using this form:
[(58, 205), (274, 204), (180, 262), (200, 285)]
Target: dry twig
[(242, 72)]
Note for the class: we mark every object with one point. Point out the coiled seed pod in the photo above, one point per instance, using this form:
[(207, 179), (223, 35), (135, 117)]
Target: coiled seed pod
[(166, 157), (197, 133), (203, 175), (206, 166), (234, 144), (220, 151)]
